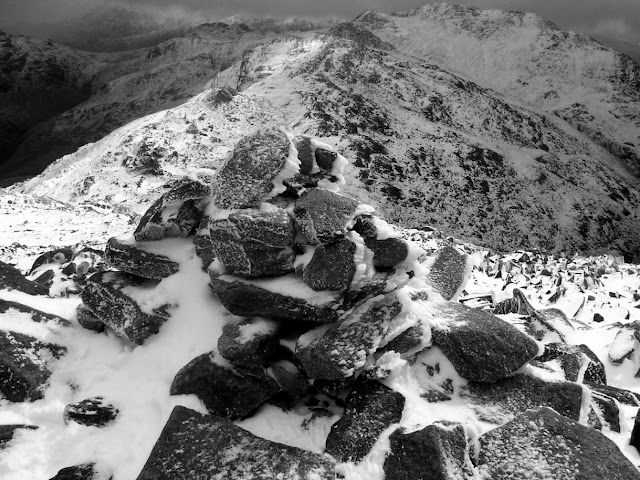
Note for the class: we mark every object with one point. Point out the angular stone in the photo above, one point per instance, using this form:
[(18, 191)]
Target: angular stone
[(387, 253), (575, 359), (481, 346), (542, 444), (133, 259), (8, 307), (332, 266), (205, 447), (448, 273), (103, 295), (86, 319), (252, 342), (12, 279), (24, 366), (437, 452), (58, 256), (225, 391), (92, 411), (247, 300), (7, 432), (247, 177), (370, 408), (254, 243), (338, 351), (324, 216), (325, 158)]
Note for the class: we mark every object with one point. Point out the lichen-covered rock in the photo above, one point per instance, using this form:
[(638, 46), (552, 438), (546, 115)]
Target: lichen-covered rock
[(480, 346), (130, 258), (387, 253), (24, 366), (248, 176), (370, 408), (104, 296), (92, 411), (205, 447), (448, 273), (7, 432), (332, 266), (86, 319), (12, 279), (324, 216), (541, 444), (254, 243), (436, 452), (247, 300), (252, 342), (338, 351), (578, 362), (8, 307), (225, 391)]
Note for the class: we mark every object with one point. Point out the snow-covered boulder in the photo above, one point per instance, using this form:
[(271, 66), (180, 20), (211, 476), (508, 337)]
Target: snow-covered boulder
[(250, 343)]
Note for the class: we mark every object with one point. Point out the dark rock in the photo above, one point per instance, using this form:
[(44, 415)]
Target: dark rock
[(91, 412), (598, 318), (88, 320), (133, 259), (552, 446), (292, 382), (448, 272), (247, 300), (69, 269), (325, 158), (305, 155), (36, 315), (203, 245), (635, 433), (203, 447), (57, 256), (365, 226), (252, 342), (12, 279), (608, 410), (338, 351), (24, 366), (332, 266), (410, 340), (46, 278), (518, 304), (387, 253), (625, 397), (103, 296), (370, 408), (7, 432), (481, 346), (575, 359), (225, 391), (519, 393), (324, 216), (77, 472), (224, 95), (246, 178), (437, 452), (253, 243)]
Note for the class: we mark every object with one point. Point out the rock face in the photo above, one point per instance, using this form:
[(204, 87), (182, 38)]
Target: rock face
[(481, 346), (91, 412), (12, 279), (248, 175), (133, 259), (369, 409), (448, 272), (332, 266), (24, 366), (542, 444), (205, 447), (324, 216), (437, 452)]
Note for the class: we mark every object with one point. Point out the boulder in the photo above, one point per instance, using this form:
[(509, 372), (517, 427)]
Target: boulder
[(338, 351), (8, 307), (24, 366), (85, 471), (103, 295), (448, 273), (324, 216), (252, 342), (387, 253), (254, 243), (205, 447), (247, 300), (480, 346), (57, 256), (436, 452), (248, 175), (86, 319), (578, 362), (541, 444), (332, 266), (7, 432), (92, 411), (226, 391), (130, 258), (12, 279), (369, 409)]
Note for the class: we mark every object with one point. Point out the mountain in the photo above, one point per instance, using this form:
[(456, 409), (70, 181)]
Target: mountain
[(429, 147)]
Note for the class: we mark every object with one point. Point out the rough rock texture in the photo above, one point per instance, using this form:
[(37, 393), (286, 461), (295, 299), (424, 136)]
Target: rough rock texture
[(92, 411), (481, 347), (369, 409), (7, 306), (250, 343), (332, 266), (248, 175), (86, 319), (448, 272), (249, 300), (24, 366), (206, 447), (436, 452), (225, 391), (135, 260), (574, 360), (541, 444), (341, 350), (387, 253), (12, 279), (253, 243), (324, 216), (7, 432)]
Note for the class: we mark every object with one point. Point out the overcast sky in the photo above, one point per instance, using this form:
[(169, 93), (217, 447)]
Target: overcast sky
[(614, 18)]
